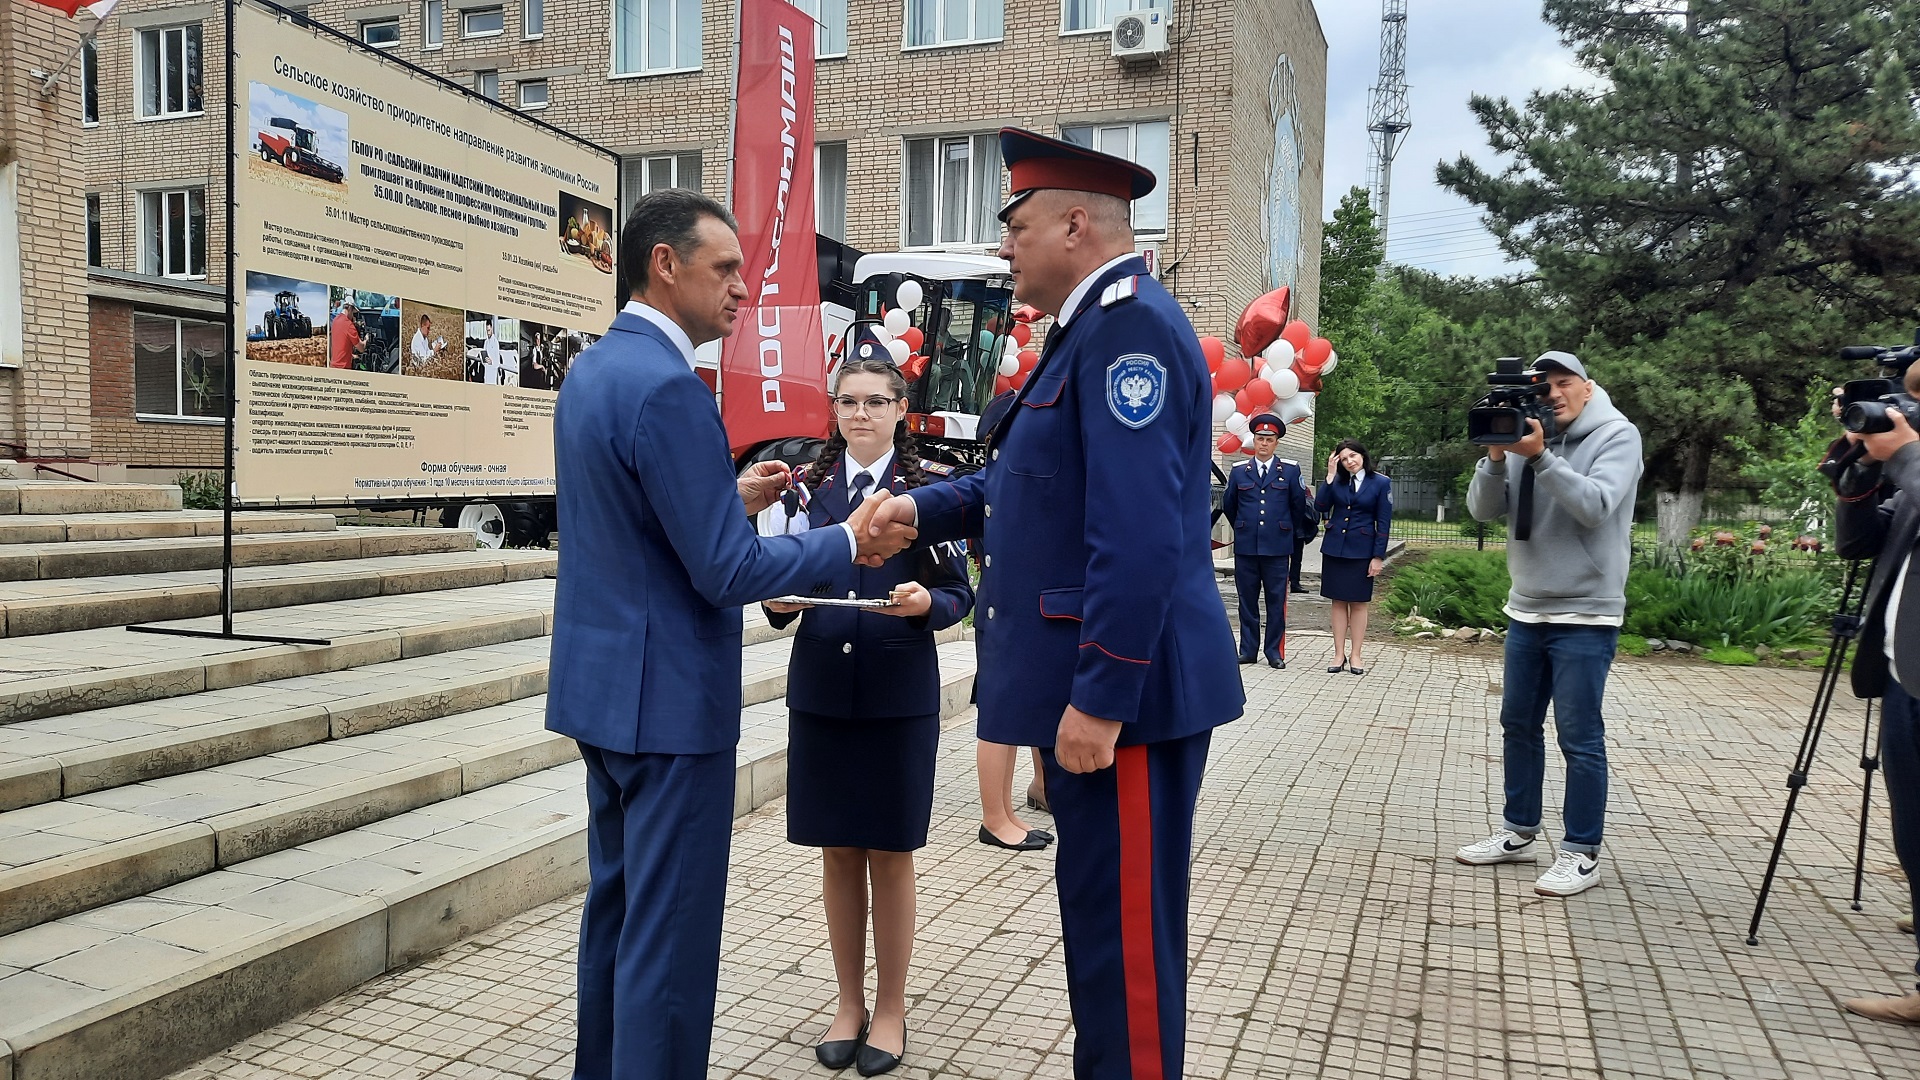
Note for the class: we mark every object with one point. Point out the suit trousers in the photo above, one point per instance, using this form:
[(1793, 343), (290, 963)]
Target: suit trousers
[(1299, 553), (658, 830), (1254, 575), (1900, 757), (1126, 840)]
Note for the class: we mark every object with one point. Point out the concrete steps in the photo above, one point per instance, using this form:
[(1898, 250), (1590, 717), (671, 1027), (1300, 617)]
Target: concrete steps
[(69, 497), (84, 528), (169, 555)]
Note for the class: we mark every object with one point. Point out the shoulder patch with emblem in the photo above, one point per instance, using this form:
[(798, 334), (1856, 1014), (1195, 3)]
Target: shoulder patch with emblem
[(935, 468), (1136, 389), (1124, 289)]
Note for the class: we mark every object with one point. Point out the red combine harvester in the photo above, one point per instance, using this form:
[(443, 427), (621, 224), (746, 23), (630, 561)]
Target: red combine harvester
[(296, 152)]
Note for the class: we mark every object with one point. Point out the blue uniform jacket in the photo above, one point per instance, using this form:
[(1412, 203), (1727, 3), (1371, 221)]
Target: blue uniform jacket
[(659, 555), (1357, 522), (855, 664), (1267, 516), (1094, 510)]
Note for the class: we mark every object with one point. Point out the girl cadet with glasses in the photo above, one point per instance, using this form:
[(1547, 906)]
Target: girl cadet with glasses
[(863, 694)]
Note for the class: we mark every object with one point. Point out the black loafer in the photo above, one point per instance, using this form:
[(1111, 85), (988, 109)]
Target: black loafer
[(1299, 588), (1041, 835), (1281, 664), (1031, 843), (872, 1061), (840, 1053)]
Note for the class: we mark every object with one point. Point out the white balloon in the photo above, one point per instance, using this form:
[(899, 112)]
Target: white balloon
[(1010, 348), (881, 333), (1223, 407), (1280, 354), (899, 351), (897, 320), (1285, 384), (1333, 361), (1297, 407), (1237, 423), (1010, 365), (909, 295)]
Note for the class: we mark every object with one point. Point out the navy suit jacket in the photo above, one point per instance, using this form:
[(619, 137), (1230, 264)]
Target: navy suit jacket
[(657, 556), (1267, 514), (1357, 522), (855, 664), (1095, 510)]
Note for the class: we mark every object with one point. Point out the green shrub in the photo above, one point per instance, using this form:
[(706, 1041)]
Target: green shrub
[(1453, 588), (1731, 656), (1727, 596), (1634, 645), (200, 490)]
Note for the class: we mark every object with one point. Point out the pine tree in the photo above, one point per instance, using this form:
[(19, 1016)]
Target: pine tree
[(1351, 398), (1730, 201)]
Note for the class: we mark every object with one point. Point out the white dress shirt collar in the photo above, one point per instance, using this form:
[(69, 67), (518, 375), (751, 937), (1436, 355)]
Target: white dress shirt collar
[(1079, 294), (1359, 479), (880, 469), (667, 326)]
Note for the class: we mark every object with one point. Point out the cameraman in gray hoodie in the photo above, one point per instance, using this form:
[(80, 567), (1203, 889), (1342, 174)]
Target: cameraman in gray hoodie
[(1566, 606)]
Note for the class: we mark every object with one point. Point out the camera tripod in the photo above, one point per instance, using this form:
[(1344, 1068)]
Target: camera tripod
[(1846, 627)]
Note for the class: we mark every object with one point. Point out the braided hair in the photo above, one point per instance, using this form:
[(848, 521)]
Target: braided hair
[(906, 452)]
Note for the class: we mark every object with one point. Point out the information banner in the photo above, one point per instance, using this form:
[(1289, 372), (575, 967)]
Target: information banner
[(417, 267)]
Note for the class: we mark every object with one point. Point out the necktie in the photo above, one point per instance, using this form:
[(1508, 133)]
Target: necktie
[(857, 490)]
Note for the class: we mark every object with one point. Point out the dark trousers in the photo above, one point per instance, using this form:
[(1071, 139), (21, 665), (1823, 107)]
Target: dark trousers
[(1299, 550), (1900, 759), (1126, 839), (658, 830), (1254, 575)]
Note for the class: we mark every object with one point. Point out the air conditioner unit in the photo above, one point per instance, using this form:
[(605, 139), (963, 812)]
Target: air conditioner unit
[(1139, 35)]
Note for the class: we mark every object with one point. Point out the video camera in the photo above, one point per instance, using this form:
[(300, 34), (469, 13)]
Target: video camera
[(1866, 404), (1517, 394)]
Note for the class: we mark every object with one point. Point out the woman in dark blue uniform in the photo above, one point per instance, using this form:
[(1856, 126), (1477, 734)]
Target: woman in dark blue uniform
[(1357, 504), (863, 693)]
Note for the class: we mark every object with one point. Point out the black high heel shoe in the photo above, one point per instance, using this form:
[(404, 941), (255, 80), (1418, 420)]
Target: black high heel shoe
[(1356, 671), (872, 1061), (841, 1053), (1339, 667)]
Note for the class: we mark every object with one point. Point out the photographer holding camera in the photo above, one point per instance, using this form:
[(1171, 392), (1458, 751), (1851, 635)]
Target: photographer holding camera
[(1878, 517), (1568, 489)]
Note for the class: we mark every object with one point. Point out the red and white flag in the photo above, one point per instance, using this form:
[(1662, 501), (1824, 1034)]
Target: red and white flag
[(101, 9)]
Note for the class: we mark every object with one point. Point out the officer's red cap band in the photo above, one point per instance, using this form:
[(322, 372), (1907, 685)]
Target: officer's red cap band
[(1072, 175)]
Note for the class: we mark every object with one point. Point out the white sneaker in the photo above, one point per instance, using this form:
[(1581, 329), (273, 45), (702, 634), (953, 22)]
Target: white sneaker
[(1572, 872), (1504, 845)]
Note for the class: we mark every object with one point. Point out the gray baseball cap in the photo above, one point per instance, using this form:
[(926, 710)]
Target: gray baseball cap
[(1565, 361)]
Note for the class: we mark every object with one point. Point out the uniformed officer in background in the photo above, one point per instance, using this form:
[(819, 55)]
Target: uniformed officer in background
[(1267, 503), (1107, 644)]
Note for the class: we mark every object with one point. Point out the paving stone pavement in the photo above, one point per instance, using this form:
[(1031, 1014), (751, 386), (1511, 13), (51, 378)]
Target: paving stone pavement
[(1332, 933)]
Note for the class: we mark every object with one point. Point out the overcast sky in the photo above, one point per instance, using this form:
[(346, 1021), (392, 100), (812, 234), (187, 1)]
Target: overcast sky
[(1455, 48)]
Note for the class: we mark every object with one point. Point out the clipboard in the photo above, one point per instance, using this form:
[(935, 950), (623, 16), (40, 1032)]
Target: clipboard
[(831, 601)]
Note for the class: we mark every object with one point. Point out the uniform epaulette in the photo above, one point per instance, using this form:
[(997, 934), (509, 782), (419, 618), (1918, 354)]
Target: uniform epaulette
[(937, 468), (1123, 289)]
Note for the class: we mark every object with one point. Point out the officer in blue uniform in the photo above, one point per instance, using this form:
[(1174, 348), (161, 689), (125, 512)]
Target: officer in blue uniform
[(1267, 502), (1107, 645)]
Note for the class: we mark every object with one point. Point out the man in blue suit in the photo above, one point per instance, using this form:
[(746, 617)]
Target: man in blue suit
[(657, 558), (1267, 503), (1107, 644)]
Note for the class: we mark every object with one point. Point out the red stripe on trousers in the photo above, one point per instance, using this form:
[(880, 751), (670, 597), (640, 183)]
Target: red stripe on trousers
[(1136, 911)]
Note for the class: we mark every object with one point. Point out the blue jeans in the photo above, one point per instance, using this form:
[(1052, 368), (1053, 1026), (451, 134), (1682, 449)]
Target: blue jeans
[(1900, 759), (1565, 666)]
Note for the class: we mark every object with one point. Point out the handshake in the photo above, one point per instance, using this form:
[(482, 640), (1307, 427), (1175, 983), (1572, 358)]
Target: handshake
[(878, 533)]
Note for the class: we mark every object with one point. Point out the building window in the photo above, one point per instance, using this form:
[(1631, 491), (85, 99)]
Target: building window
[(533, 94), (1144, 143), (179, 366), (830, 190), (533, 18), (483, 22), (433, 16), (953, 190), (170, 72), (655, 35), (89, 83), (830, 36), (643, 174), (488, 83), (1080, 16), (174, 233), (93, 232), (380, 33), (952, 22)]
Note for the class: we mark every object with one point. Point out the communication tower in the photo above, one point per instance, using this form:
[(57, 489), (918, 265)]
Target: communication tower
[(1387, 116)]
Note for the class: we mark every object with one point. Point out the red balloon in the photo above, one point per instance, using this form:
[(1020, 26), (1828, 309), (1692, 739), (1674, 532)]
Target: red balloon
[(1314, 356), (1020, 380), (1309, 379), (1262, 320), (1001, 384), (1022, 333), (1027, 313), (1243, 401), (1215, 351), (1247, 449), (1233, 375), (914, 338), (1260, 394), (1229, 443), (1297, 335), (914, 368), (1026, 358)]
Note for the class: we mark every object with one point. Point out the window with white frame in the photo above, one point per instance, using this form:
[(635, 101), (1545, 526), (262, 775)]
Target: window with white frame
[(433, 17), (487, 83), (1144, 143), (830, 35), (644, 174), (830, 190), (179, 367), (169, 72), (94, 246), (652, 36), (89, 83), (533, 19), (1079, 16), (381, 33), (952, 22), (953, 190), (483, 22), (533, 94), (173, 233)]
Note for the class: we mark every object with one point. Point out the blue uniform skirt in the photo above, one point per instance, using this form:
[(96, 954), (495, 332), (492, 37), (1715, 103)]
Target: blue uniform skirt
[(1345, 580), (865, 783)]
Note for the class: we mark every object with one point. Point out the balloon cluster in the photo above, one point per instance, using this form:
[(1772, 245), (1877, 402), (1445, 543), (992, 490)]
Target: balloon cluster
[(1017, 361), (896, 331), (1279, 370)]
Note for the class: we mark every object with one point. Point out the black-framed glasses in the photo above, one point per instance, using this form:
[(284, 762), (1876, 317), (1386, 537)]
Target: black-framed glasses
[(846, 406)]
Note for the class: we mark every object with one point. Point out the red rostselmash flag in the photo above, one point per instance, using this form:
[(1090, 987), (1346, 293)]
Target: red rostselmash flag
[(100, 8), (773, 369)]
